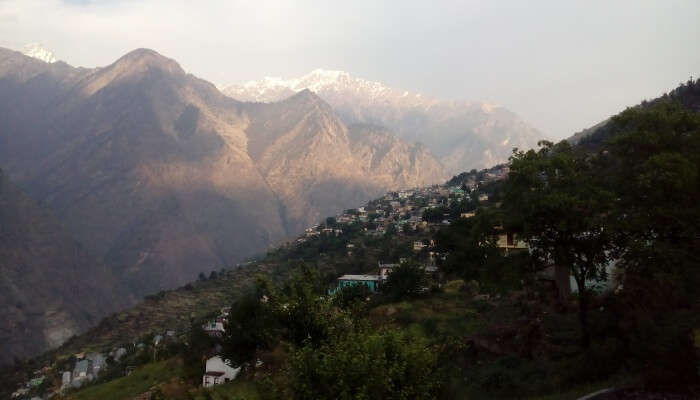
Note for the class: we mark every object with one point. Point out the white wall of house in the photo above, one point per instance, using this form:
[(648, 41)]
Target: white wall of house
[(224, 368)]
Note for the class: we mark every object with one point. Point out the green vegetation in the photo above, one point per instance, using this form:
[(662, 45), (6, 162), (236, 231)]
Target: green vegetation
[(365, 365), (405, 281), (139, 381)]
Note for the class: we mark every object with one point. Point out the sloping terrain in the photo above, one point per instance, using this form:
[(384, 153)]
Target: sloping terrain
[(51, 288), (160, 176)]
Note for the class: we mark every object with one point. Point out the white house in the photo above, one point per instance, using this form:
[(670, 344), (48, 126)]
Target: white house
[(385, 270), (218, 371), (65, 379)]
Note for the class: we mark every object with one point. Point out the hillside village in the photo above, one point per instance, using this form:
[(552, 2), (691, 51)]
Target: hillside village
[(434, 293), (411, 214)]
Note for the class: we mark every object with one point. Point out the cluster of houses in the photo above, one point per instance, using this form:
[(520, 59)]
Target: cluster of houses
[(38, 379), (86, 368), (403, 210)]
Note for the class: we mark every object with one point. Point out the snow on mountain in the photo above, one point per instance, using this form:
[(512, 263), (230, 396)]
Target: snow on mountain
[(463, 134), (36, 50), (320, 81)]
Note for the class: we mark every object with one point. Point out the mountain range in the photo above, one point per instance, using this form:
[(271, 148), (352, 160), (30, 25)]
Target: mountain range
[(156, 176), (463, 135)]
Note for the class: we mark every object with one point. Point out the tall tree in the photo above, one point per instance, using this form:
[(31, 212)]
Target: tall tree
[(562, 209)]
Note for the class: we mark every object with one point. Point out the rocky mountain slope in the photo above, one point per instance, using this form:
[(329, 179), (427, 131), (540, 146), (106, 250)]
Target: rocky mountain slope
[(50, 287), (464, 135), (160, 176)]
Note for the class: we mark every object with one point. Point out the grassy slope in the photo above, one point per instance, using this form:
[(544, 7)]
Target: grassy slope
[(140, 381)]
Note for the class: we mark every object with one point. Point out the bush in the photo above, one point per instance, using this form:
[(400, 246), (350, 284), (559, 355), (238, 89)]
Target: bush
[(385, 365)]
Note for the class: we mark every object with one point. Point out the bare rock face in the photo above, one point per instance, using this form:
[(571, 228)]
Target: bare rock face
[(160, 176), (318, 166), (463, 135)]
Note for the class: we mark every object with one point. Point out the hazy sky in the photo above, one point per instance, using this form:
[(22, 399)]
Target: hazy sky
[(561, 65)]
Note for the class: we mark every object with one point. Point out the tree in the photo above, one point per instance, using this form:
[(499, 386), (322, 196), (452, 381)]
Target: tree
[(435, 214), (470, 244), (652, 162), (306, 313), (405, 281), (563, 211), (252, 326), (197, 345)]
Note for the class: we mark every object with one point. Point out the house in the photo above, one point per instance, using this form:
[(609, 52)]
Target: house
[(385, 270), (35, 382), (65, 379), (509, 242), (97, 361), (81, 372), (214, 328), (372, 281), (119, 353), (418, 246), (218, 371)]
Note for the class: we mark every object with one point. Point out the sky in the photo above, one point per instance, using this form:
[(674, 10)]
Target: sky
[(561, 65)]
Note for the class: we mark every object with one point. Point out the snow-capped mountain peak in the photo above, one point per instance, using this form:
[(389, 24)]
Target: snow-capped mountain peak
[(36, 50), (464, 134), (320, 81)]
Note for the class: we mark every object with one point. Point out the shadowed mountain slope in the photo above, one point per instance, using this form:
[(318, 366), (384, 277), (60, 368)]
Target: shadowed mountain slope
[(50, 287)]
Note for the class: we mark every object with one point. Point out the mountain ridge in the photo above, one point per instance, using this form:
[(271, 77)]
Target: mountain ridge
[(160, 176), (462, 134)]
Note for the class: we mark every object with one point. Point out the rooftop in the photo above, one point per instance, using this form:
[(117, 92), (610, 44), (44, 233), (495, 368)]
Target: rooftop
[(359, 278)]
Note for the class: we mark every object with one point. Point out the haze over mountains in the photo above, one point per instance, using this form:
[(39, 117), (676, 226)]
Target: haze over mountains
[(463, 135), (159, 176)]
